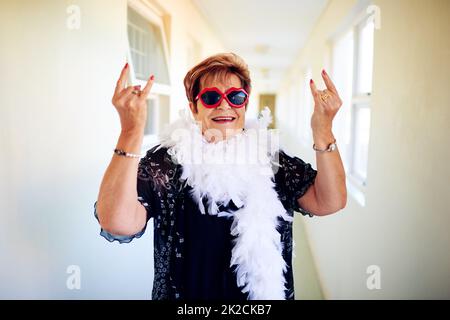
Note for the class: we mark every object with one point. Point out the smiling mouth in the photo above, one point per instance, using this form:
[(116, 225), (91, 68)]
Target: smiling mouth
[(223, 119)]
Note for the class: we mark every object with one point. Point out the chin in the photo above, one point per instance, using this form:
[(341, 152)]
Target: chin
[(217, 133)]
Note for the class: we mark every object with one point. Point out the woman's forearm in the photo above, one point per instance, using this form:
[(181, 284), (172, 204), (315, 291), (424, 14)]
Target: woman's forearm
[(330, 185), (117, 199)]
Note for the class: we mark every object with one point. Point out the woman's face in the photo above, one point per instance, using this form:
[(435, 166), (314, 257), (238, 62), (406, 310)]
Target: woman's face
[(213, 128)]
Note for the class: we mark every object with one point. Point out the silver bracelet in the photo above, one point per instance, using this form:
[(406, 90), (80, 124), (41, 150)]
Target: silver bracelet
[(331, 147), (120, 152)]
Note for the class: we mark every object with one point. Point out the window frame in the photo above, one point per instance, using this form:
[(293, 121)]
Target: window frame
[(358, 19), (359, 100), (155, 17)]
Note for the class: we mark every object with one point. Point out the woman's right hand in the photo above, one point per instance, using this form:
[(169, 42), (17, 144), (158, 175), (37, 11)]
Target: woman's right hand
[(132, 107)]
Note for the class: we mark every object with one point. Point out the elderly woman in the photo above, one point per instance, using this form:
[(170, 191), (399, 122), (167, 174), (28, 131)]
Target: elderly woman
[(222, 228)]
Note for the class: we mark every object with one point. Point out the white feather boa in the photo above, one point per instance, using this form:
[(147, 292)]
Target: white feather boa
[(238, 169)]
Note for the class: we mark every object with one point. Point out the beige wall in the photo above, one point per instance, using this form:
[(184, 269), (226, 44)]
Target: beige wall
[(404, 227), (58, 132)]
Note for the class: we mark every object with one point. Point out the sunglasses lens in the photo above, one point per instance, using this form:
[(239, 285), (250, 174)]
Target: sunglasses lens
[(210, 98), (237, 97)]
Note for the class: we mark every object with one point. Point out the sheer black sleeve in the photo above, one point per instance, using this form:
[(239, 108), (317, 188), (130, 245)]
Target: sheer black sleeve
[(293, 178)]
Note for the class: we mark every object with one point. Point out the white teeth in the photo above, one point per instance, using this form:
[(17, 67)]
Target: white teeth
[(223, 118)]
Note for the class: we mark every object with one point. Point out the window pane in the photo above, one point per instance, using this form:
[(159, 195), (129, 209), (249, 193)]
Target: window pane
[(152, 117), (146, 47), (158, 109), (361, 141), (365, 57)]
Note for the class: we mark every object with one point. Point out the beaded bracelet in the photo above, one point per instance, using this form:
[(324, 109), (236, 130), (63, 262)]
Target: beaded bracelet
[(126, 154)]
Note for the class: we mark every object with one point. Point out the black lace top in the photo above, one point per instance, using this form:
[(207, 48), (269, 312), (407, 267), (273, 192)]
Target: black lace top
[(192, 251)]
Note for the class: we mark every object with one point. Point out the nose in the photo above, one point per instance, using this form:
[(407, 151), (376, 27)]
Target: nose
[(224, 105)]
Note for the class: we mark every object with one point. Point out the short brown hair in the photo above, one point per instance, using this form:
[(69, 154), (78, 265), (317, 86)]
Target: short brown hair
[(217, 66)]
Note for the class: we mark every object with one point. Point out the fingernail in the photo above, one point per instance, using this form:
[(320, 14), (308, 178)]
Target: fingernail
[(126, 65), (137, 87), (311, 81), (152, 77), (324, 72)]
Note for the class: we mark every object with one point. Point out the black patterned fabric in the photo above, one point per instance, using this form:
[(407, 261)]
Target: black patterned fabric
[(186, 263)]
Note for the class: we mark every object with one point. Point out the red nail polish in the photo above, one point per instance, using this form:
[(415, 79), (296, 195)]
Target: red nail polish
[(152, 77), (137, 87), (126, 65), (311, 81)]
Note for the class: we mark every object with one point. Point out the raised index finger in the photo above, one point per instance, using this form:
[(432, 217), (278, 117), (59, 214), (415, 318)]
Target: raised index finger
[(328, 82), (122, 79)]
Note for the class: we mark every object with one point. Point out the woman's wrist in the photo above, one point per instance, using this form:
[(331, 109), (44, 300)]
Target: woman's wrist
[(323, 139), (130, 141), (136, 131)]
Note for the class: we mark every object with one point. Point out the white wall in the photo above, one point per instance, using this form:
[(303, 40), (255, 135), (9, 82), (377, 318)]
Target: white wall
[(58, 132), (404, 227)]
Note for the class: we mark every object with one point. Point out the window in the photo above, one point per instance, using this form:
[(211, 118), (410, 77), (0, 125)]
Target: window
[(361, 99), (343, 79), (148, 54), (361, 124), (352, 73), (146, 48)]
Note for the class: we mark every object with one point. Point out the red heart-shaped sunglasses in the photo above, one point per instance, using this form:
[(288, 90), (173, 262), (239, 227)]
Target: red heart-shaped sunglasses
[(212, 97)]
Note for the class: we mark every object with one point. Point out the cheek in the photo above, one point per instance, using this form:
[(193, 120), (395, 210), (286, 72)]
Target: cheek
[(241, 114), (204, 114)]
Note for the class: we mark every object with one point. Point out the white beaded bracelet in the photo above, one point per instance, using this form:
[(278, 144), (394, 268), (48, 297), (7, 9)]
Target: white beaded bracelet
[(126, 154)]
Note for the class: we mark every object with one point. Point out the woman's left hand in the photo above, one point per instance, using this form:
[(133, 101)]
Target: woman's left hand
[(326, 104), (329, 193)]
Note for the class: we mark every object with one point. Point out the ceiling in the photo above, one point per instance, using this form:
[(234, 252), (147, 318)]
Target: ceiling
[(268, 34)]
